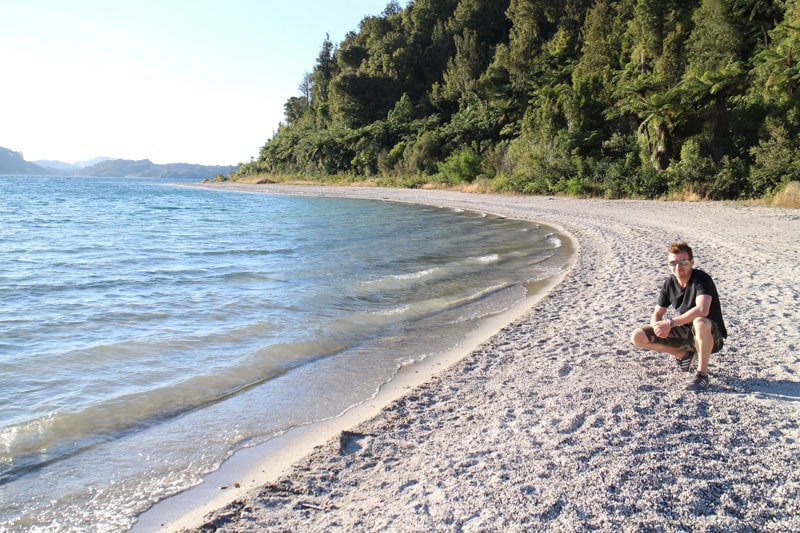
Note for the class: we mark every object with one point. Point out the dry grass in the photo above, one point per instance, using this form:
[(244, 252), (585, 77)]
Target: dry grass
[(684, 196), (789, 196), (255, 179)]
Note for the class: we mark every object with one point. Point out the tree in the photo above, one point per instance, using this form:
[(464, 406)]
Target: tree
[(593, 77), (777, 66), (392, 8), (557, 96), (715, 70), (321, 79), (295, 109), (659, 113), (464, 68)]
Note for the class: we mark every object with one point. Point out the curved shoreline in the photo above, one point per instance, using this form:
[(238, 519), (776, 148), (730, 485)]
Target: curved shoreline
[(555, 421), (251, 468)]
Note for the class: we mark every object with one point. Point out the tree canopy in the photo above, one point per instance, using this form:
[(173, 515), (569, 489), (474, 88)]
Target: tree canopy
[(602, 98)]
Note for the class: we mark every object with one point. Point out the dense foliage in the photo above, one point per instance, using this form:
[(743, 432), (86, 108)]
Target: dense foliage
[(584, 97)]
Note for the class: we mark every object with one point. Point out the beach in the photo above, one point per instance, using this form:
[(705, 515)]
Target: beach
[(550, 419)]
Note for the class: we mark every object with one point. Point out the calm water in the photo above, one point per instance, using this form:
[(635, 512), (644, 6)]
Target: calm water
[(149, 331)]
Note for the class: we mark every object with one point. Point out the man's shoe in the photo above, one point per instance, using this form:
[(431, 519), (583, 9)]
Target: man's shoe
[(685, 363), (700, 383)]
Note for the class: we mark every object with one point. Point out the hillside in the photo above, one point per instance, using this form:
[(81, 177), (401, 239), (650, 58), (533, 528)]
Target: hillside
[(582, 97), (12, 162), (146, 168)]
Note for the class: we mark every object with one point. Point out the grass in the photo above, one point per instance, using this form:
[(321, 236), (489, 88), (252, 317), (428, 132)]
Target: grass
[(788, 197)]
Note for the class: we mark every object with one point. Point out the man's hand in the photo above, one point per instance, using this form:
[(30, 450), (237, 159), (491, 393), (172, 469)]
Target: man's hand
[(662, 328)]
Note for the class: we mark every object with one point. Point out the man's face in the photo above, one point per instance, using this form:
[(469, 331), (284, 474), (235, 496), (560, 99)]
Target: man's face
[(680, 264)]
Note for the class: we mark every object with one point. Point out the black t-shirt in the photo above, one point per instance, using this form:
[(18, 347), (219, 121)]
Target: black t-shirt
[(683, 299)]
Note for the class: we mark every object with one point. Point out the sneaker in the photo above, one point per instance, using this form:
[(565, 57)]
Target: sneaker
[(700, 383), (685, 363)]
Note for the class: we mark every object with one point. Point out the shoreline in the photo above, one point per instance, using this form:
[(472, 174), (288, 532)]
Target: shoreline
[(251, 468), (550, 404)]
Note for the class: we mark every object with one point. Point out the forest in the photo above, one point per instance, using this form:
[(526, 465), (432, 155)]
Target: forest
[(594, 98)]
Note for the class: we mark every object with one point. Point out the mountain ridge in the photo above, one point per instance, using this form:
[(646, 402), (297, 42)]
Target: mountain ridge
[(12, 162)]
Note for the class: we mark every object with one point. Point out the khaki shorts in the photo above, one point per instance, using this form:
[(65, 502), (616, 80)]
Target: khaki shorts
[(683, 337)]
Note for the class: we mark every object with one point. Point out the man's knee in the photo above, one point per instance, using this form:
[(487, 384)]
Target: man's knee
[(639, 337), (701, 325)]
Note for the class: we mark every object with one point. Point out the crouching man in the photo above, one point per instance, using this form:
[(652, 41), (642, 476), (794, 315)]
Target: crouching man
[(697, 329)]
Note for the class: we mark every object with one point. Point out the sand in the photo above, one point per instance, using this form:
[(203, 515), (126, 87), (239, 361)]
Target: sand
[(556, 422)]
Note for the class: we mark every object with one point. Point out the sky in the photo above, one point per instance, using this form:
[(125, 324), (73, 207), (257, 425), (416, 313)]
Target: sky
[(173, 81)]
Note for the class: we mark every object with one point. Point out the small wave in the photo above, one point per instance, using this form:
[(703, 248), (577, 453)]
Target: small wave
[(487, 259), (415, 275), (553, 239), (244, 252), (399, 280), (247, 276), (394, 311)]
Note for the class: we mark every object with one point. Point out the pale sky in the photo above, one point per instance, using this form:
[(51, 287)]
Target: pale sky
[(173, 81)]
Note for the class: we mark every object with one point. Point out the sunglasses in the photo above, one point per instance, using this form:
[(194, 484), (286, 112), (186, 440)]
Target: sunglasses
[(682, 262)]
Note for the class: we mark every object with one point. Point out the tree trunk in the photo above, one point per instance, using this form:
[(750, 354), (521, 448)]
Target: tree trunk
[(721, 128)]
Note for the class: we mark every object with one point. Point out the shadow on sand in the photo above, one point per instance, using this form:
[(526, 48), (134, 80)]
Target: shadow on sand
[(777, 390)]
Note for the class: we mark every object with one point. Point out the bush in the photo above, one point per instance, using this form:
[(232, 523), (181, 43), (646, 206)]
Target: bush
[(693, 172), (463, 166), (776, 161), (730, 182), (419, 156), (573, 186), (503, 183)]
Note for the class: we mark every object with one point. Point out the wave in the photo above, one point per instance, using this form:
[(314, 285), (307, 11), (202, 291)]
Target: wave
[(399, 280), (486, 259), (31, 444), (243, 252), (554, 240)]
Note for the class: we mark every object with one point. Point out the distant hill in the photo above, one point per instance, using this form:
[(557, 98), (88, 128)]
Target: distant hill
[(12, 162), (90, 162), (68, 167), (146, 168), (55, 165)]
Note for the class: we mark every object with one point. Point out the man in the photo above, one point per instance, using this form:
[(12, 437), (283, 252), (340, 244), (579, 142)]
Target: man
[(697, 329)]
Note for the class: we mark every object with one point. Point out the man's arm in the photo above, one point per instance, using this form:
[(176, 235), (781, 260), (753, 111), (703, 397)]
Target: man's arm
[(660, 327), (702, 306), (658, 314)]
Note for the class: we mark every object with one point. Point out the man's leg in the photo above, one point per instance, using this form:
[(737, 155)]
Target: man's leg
[(703, 341), (641, 339)]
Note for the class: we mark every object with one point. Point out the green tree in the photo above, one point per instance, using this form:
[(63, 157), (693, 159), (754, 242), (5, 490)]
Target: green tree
[(715, 70), (295, 109), (321, 78), (464, 69), (583, 97), (777, 66), (659, 113), (593, 78)]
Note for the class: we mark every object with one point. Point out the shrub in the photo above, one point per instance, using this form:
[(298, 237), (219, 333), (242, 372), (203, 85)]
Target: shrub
[(730, 182), (776, 161), (463, 166)]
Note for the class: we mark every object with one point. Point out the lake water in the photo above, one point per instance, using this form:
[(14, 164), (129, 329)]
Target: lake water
[(148, 331)]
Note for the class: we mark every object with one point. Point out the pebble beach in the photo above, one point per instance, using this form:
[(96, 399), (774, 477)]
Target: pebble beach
[(554, 421)]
